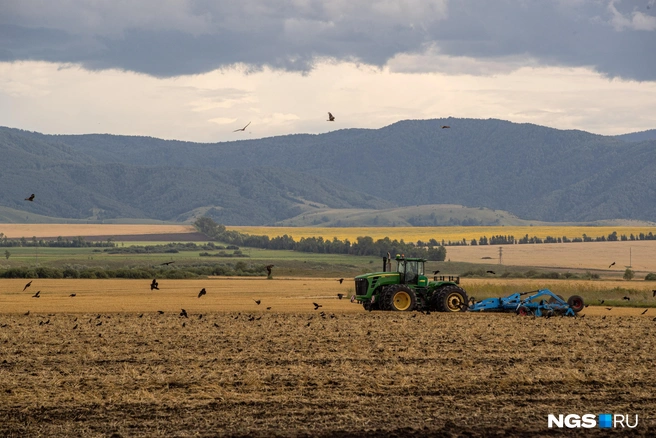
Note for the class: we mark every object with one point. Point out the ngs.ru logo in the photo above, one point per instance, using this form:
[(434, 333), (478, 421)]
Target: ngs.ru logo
[(588, 421)]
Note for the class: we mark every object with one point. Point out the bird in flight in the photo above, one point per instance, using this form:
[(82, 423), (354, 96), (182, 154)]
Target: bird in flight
[(340, 296), (644, 312), (27, 285), (316, 306), (202, 292), (257, 302), (445, 127), (340, 280), (268, 268), (242, 129), (36, 295), (184, 313), (167, 263), (31, 198), (491, 272), (154, 284), (611, 265), (609, 308), (601, 301), (436, 272), (331, 118)]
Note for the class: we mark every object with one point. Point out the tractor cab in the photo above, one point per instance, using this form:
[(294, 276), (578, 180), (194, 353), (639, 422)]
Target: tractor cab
[(411, 271)]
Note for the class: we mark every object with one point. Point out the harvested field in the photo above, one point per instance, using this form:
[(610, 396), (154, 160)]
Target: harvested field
[(16, 231), (93, 365)]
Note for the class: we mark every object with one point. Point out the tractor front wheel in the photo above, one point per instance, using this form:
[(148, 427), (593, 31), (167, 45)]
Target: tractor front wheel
[(401, 298)]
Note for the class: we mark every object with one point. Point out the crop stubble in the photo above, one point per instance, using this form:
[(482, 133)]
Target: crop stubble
[(296, 372)]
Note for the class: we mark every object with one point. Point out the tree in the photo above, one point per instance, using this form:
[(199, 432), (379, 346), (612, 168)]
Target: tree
[(7, 254), (629, 274)]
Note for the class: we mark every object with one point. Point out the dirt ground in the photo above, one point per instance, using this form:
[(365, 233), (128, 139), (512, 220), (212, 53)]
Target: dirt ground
[(243, 370)]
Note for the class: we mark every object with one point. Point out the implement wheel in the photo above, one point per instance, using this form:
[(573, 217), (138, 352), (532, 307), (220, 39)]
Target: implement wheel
[(576, 303), (523, 311), (401, 298)]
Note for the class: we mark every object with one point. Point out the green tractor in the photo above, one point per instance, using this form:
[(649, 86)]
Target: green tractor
[(408, 289)]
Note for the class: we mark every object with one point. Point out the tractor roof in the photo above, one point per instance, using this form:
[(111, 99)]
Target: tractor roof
[(410, 259)]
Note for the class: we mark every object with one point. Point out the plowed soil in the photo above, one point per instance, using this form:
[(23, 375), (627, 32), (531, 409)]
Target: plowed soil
[(242, 370)]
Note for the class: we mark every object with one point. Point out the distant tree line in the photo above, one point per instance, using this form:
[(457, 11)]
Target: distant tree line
[(364, 245), (59, 242), (511, 240)]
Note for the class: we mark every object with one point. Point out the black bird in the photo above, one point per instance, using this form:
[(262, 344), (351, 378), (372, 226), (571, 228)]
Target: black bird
[(340, 280), (72, 295), (601, 301), (99, 323), (200, 316), (167, 263), (184, 324), (27, 313), (268, 268), (340, 296), (257, 302), (316, 306), (626, 298), (609, 308), (644, 312), (154, 284), (268, 308), (654, 293), (491, 272), (36, 295), (141, 315), (611, 265), (445, 126), (31, 198), (586, 305), (242, 129), (184, 313), (436, 272), (161, 312), (75, 327), (331, 118), (202, 292), (216, 325), (28, 285)]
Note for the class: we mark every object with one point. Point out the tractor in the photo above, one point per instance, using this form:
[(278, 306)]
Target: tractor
[(408, 289)]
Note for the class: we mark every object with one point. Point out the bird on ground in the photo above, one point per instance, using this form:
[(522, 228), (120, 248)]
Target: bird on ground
[(268, 268), (341, 280), (99, 323), (74, 327), (340, 296), (586, 305), (161, 312), (28, 285), (184, 313), (202, 292), (216, 325), (491, 272), (258, 302), (242, 129), (626, 298), (653, 293), (268, 308), (36, 295), (316, 306), (31, 198), (612, 264), (184, 324), (331, 118), (200, 316), (72, 295), (141, 315), (644, 312), (154, 284), (167, 263), (445, 126)]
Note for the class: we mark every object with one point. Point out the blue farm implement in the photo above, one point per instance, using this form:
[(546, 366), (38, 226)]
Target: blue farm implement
[(537, 302)]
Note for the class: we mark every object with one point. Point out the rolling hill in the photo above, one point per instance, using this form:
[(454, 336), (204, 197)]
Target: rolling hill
[(532, 172)]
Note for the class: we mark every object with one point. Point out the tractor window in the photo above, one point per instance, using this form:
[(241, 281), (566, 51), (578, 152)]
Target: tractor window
[(411, 272)]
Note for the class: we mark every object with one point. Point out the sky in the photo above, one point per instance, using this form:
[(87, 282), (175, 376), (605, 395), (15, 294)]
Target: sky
[(197, 70)]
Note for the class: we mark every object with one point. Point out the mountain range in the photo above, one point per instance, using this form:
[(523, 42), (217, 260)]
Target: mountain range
[(532, 172)]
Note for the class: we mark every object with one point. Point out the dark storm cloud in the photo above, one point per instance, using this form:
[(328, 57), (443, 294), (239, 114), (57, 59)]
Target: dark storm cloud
[(170, 38)]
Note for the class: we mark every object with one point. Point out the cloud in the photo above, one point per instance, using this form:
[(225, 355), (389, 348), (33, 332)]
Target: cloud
[(167, 38)]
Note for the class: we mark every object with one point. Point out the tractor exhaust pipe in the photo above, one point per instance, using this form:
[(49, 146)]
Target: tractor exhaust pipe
[(384, 264)]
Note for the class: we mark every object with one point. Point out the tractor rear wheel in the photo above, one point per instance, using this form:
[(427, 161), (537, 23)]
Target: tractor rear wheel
[(449, 298), (401, 298), (576, 303)]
